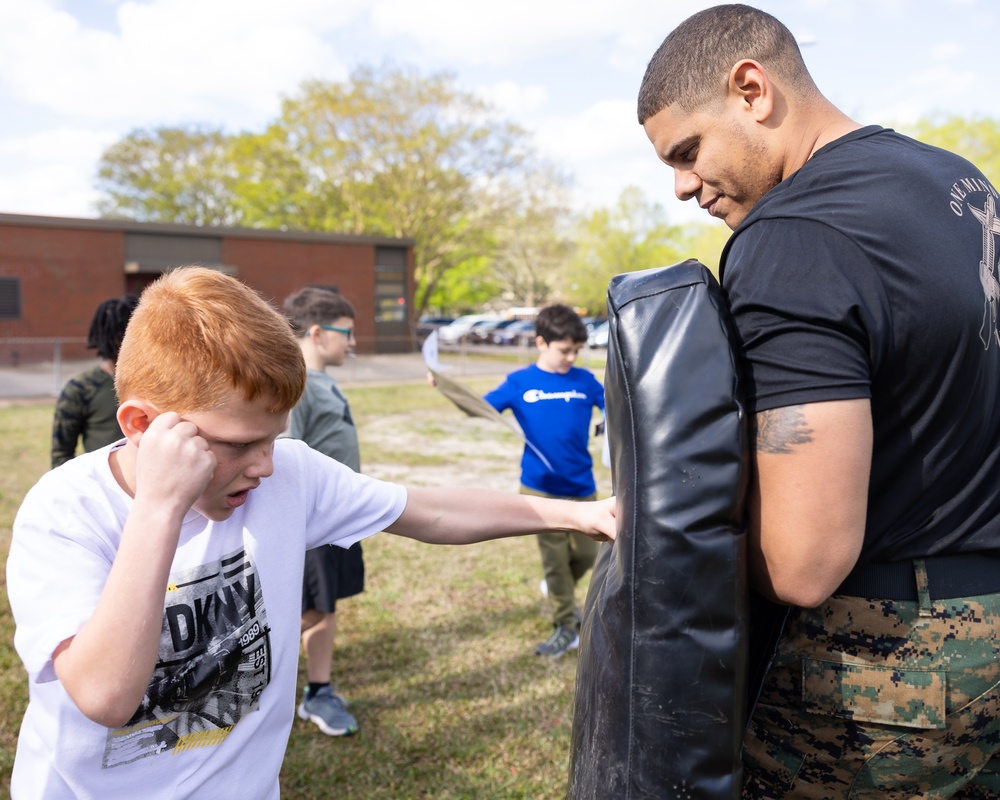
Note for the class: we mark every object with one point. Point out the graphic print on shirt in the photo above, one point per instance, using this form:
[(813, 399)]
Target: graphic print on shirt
[(213, 663), (535, 395), (968, 191)]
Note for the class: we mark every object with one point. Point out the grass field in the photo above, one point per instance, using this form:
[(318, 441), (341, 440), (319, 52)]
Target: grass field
[(435, 656)]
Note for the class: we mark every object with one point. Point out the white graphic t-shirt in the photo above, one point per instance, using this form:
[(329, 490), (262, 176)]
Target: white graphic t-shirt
[(219, 707)]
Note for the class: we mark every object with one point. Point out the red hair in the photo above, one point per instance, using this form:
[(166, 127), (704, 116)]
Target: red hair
[(197, 335)]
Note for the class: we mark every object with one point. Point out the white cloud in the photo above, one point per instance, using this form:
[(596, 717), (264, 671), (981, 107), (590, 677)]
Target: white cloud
[(513, 100), (603, 130), (604, 148), (544, 65), (58, 190), (169, 60), (518, 30), (59, 144), (945, 50), (52, 172)]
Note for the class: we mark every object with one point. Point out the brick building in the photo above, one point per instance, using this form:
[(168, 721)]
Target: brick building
[(55, 271)]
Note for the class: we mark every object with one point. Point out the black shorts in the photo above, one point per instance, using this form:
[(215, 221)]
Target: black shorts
[(332, 573)]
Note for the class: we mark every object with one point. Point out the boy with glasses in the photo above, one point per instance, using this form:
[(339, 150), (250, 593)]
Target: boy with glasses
[(323, 321)]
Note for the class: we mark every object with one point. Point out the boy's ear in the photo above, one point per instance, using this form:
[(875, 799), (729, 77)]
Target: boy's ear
[(134, 417)]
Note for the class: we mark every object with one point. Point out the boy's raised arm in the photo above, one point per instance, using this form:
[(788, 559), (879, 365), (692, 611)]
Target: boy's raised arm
[(463, 516), (106, 666)]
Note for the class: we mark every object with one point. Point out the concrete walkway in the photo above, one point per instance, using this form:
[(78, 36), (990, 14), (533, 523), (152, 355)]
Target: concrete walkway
[(45, 380)]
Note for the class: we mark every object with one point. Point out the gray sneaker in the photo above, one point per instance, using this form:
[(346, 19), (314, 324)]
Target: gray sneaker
[(326, 709), (561, 640)]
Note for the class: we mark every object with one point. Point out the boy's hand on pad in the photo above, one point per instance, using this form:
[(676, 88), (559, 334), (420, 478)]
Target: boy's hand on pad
[(602, 525), (174, 464)]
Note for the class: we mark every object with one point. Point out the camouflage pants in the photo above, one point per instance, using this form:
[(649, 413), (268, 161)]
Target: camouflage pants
[(880, 699)]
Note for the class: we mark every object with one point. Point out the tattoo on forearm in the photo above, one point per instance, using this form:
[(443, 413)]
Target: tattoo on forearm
[(778, 430)]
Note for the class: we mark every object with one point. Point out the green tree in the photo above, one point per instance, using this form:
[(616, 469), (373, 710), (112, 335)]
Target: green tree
[(411, 156), (179, 175), (705, 241), (466, 289), (533, 242), (632, 235), (386, 152), (271, 188), (977, 139)]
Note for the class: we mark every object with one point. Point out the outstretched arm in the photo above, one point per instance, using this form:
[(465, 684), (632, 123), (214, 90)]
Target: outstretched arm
[(809, 498), (464, 516)]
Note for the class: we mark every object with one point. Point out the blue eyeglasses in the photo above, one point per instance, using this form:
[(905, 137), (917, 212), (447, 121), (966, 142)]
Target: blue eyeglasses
[(348, 332)]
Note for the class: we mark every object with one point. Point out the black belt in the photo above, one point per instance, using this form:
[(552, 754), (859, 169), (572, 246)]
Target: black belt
[(962, 575)]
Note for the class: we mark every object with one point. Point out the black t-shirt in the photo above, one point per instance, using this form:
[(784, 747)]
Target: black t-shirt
[(871, 272)]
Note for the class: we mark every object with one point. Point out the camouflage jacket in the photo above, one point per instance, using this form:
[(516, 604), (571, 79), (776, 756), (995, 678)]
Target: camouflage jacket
[(86, 408)]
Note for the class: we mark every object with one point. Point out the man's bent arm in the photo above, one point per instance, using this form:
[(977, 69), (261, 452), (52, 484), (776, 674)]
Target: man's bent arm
[(808, 498)]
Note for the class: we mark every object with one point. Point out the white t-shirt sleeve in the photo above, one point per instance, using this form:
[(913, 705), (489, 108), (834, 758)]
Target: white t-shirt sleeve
[(344, 506), (58, 564)]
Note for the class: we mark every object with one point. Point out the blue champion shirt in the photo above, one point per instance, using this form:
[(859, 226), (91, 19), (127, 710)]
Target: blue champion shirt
[(555, 413)]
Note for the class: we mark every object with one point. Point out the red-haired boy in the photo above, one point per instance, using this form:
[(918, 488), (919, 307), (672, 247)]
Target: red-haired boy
[(150, 580)]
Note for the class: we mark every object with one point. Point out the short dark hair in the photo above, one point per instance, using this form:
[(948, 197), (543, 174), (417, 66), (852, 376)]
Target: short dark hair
[(557, 322), (315, 306), (107, 327), (691, 67)]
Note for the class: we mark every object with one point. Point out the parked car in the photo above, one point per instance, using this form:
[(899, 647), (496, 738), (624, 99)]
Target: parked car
[(426, 324), (599, 336), (454, 332), (482, 332), (519, 332)]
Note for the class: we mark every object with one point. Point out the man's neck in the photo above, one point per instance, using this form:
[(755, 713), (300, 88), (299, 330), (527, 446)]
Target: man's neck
[(822, 123)]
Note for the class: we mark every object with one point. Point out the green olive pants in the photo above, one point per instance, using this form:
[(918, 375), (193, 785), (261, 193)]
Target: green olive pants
[(566, 557)]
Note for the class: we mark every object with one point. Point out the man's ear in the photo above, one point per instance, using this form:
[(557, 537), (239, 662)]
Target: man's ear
[(134, 417), (750, 83)]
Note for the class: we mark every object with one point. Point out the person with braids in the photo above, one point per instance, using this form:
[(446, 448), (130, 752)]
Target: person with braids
[(87, 404)]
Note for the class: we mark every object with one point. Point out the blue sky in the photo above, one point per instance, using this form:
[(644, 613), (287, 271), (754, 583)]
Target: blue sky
[(77, 75)]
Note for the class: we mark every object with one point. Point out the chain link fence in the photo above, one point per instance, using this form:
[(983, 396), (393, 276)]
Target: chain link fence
[(39, 366)]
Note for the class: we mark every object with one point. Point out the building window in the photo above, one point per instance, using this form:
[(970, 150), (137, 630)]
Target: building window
[(10, 298), (155, 253), (390, 285)]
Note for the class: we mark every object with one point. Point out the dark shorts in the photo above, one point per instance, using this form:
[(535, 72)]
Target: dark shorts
[(332, 573)]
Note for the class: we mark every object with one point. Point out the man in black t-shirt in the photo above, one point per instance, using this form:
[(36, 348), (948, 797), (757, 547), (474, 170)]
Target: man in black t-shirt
[(862, 275)]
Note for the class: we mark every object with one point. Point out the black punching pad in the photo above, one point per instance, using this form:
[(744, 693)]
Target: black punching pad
[(661, 681)]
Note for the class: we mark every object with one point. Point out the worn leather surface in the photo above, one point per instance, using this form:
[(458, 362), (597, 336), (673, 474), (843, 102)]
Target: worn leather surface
[(661, 682)]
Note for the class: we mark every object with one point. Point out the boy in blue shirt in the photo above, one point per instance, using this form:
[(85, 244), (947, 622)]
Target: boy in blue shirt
[(553, 402)]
